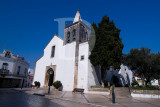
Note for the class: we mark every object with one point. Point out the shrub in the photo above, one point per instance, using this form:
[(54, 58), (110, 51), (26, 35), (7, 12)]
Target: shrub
[(145, 88), (95, 86), (57, 84), (37, 84), (134, 82)]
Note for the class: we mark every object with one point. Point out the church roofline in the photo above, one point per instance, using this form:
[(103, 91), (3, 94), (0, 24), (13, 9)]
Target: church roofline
[(52, 38), (76, 23), (38, 59), (71, 24)]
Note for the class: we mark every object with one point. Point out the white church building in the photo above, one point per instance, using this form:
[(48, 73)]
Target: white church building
[(68, 58)]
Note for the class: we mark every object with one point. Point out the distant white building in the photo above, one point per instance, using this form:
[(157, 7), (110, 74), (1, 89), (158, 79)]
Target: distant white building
[(68, 58), (13, 70), (153, 82), (30, 77)]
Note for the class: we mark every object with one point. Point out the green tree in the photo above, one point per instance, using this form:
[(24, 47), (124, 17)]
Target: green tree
[(145, 63), (108, 46)]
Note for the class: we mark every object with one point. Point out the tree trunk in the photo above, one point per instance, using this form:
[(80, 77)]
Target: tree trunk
[(143, 81), (147, 81), (103, 75)]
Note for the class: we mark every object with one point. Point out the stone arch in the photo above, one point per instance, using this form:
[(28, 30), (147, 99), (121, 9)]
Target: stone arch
[(53, 67)]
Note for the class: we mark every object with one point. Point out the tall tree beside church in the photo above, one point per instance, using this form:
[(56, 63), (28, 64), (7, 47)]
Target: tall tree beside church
[(108, 46)]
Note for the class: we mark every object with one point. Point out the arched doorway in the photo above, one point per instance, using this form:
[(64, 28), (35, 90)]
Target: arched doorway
[(47, 76)]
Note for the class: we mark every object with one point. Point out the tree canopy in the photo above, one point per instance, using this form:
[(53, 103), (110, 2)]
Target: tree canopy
[(108, 46), (145, 63)]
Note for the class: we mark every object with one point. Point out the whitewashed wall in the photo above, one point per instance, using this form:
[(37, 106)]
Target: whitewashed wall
[(86, 74), (92, 76), (64, 60), (66, 66), (46, 60), (83, 66), (13, 65)]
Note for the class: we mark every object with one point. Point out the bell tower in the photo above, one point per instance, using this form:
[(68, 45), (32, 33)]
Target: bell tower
[(78, 31)]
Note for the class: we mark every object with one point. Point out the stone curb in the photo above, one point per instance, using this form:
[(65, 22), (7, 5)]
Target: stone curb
[(145, 96)]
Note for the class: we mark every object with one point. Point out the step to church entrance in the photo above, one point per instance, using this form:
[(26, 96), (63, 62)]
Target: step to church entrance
[(121, 92)]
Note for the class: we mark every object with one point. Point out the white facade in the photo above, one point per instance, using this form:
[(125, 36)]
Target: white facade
[(65, 60), (13, 70)]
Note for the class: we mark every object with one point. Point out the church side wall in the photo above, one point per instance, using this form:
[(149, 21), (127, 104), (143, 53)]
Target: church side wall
[(65, 66), (83, 66), (92, 76), (39, 74)]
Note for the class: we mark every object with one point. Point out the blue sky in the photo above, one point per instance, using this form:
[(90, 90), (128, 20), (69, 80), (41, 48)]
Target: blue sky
[(26, 26)]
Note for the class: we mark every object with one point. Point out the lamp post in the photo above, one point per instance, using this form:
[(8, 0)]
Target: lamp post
[(50, 72)]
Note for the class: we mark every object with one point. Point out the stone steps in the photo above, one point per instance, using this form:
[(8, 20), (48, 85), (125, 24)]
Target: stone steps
[(121, 92)]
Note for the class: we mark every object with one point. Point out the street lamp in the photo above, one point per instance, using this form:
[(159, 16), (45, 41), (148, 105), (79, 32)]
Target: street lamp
[(51, 73)]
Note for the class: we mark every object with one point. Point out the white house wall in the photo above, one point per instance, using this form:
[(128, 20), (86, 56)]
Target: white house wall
[(10, 64)]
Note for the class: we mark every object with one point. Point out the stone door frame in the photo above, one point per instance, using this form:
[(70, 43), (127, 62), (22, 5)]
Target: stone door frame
[(46, 80)]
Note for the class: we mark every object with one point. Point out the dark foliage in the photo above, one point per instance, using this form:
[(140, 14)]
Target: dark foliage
[(108, 46), (145, 63), (37, 84), (57, 84)]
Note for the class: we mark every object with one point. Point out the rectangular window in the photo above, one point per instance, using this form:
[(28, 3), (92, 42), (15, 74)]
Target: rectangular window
[(25, 72), (53, 51), (82, 57), (18, 71), (5, 66)]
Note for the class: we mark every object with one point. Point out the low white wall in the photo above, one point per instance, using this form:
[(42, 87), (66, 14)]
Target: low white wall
[(145, 95), (99, 93)]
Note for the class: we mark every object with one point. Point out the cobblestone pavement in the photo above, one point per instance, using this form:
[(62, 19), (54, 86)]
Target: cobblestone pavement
[(69, 99), (18, 98)]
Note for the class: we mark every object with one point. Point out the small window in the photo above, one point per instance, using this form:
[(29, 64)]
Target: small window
[(53, 51), (68, 34), (5, 66), (74, 32), (8, 54), (74, 39), (25, 72), (82, 57), (18, 71)]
